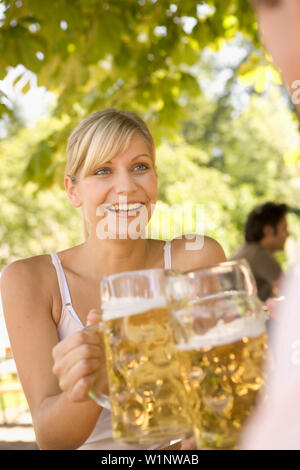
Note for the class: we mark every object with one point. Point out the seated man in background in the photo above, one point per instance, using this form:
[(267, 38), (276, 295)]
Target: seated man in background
[(266, 232)]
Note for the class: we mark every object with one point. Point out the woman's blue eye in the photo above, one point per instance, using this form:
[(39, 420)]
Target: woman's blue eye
[(141, 167), (107, 171), (102, 171)]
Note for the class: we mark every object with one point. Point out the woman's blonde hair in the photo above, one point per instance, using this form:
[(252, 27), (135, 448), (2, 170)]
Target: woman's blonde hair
[(100, 137)]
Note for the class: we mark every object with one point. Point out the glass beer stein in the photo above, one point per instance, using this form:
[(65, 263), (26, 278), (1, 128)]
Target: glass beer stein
[(222, 345), (146, 394)]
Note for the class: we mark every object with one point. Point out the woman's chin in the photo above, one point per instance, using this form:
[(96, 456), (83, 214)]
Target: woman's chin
[(122, 233)]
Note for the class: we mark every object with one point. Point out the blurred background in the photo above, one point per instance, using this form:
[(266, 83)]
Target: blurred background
[(226, 131)]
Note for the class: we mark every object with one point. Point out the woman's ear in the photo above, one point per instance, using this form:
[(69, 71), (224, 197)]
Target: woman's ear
[(72, 191)]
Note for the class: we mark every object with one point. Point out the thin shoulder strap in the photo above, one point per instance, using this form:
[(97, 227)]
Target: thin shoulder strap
[(63, 286), (167, 255)]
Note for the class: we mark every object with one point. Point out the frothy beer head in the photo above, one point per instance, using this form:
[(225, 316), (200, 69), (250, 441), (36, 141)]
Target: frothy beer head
[(226, 333), (128, 306)]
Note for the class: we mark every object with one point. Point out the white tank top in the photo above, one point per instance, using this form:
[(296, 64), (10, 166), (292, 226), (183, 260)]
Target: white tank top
[(101, 436)]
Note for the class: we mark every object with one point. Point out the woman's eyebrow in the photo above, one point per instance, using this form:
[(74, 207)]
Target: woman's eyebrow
[(134, 158), (142, 155)]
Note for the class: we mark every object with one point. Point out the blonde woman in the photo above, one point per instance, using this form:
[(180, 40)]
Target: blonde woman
[(47, 298)]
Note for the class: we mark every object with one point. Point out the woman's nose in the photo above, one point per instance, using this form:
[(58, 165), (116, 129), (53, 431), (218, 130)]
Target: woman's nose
[(125, 183)]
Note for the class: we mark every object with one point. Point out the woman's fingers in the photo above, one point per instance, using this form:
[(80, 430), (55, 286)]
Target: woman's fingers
[(89, 335), (78, 374), (80, 390), (94, 317), (79, 361), (79, 371), (83, 355)]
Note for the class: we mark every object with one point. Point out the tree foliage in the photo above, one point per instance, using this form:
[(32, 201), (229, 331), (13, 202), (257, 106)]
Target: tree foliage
[(158, 58), (135, 54), (31, 222)]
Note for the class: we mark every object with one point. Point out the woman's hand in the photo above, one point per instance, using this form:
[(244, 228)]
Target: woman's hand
[(79, 361)]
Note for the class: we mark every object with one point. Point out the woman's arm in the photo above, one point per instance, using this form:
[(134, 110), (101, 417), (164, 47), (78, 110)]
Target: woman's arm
[(58, 422)]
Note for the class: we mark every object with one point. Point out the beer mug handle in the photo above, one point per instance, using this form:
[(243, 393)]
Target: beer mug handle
[(100, 398)]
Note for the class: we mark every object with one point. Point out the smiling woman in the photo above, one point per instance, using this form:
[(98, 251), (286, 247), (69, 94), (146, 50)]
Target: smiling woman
[(99, 147), (117, 191), (111, 176)]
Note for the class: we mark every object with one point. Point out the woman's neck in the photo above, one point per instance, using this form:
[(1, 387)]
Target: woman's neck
[(101, 257)]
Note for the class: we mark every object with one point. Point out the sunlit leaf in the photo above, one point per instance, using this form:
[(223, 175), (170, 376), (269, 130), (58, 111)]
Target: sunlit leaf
[(292, 157)]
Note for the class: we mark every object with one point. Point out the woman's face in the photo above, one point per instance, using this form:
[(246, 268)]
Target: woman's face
[(119, 197)]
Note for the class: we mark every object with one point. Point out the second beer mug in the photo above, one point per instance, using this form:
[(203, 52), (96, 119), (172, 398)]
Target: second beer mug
[(147, 396), (222, 346)]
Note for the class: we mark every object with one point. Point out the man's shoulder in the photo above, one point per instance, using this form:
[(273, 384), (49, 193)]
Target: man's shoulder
[(254, 252), (268, 257), (246, 250)]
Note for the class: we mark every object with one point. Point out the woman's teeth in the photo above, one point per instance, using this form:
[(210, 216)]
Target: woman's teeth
[(125, 207)]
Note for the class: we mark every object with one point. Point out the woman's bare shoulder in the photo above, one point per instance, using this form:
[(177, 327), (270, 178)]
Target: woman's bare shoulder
[(32, 272), (33, 265), (196, 252)]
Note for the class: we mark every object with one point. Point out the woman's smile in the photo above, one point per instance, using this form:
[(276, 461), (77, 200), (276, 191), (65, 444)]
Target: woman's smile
[(126, 210)]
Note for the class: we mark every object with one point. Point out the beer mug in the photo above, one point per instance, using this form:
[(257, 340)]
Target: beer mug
[(222, 345), (146, 393)]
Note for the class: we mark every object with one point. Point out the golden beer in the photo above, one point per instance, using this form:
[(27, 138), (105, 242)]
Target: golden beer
[(147, 396), (225, 376)]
